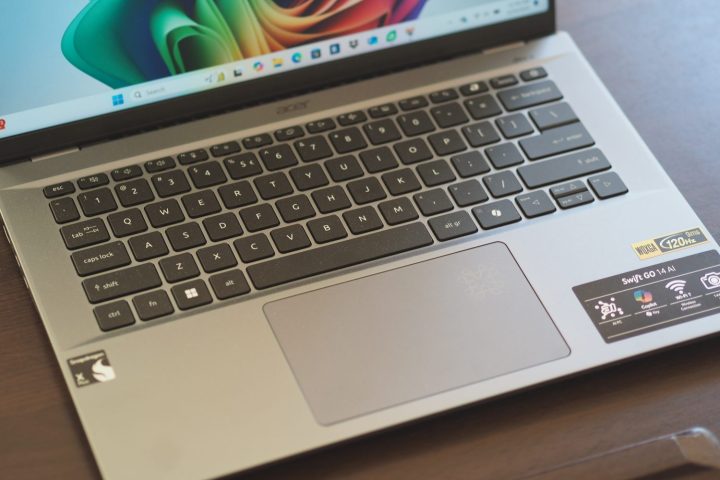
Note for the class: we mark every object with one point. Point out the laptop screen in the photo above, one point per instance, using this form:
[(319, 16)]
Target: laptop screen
[(71, 60)]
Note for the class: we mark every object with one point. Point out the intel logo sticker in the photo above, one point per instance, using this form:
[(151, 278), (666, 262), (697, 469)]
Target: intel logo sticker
[(91, 368)]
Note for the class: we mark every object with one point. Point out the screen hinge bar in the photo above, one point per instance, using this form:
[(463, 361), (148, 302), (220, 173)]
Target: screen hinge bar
[(502, 48), (58, 153)]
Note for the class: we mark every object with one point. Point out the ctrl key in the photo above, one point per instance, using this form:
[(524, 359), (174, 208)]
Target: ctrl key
[(114, 315)]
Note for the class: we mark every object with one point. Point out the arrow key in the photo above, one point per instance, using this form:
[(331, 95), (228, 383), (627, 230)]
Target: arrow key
[(535, 204), (607, 185)]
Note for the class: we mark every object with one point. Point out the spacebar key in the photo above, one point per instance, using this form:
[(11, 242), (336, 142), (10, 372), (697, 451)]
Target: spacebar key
[(121, 282), (339, 255)]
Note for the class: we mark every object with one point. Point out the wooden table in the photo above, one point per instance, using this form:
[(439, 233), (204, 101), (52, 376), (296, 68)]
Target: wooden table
[(660, 60)]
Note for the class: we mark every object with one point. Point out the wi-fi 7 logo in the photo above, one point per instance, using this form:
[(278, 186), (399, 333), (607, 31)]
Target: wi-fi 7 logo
[(677, 286)]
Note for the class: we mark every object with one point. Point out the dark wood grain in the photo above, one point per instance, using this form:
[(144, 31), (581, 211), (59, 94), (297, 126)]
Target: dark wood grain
[(659, 59)]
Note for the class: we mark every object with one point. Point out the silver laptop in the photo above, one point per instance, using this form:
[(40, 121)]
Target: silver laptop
[(257, 228)]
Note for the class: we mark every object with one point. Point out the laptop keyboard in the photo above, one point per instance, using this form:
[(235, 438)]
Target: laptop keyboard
[(213, 224)]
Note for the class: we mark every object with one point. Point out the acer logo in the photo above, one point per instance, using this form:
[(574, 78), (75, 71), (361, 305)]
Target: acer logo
[(293, 107)]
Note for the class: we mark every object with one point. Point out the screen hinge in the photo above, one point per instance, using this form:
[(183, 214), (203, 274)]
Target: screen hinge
[(57, 153), (502, 48)]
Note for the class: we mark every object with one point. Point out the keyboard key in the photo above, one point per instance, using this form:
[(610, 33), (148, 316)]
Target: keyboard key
[(535, 204), (398, 210), (278, 157), (452, 225), (496, 214), (413, 103), (126, 173), (290, 239), (436, 173), (327, 229), (529, 95), (553, 116), (339, 255), (443, 95), (504, 81), (568, 188), (575, 200), (254, 248), (207, 175), (556, 141), (362, 220), (348, 140), (607, 185), (378, 159), (95, 202), (383, 110), (159, 165), (273, 186), (192, 294), (308, 177), (297, 207), (114, 315), (366, 190), (351, 118), (433, 202), (93, 181), (321, 125), (194, 156), (162, 214), (567, 167), (134, 192), (289, 133), (331, 199), (216, 257), (468, 193), (482, 107), (502, 184), (470, 164), (481, 134), (84, 234), (400, 182), (344, 168), (504, 155), (313, 148), (200, 204), (179, 267), (229, 284), (223, 226), (474, 88), (150, 306), (413, 151), (514, 126), (64, 210), (120, 283), (533, 74), (415, 123), (182, 237), (259, 217), (242, 166), (128, 222), (58, 190), (150, 245), (170, 183), (449, 115), (446, 143), (100, 259), (237, 195), (382, 131), (227, 148), (257, 141)]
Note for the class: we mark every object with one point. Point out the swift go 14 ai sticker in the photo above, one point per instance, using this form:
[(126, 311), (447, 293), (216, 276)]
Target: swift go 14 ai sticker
[(669, 243), (91, 368)]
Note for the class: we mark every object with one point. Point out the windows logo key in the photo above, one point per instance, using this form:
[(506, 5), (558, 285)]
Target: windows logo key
[(118, 100)]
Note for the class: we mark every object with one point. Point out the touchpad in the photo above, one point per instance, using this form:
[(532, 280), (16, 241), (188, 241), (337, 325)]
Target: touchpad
[(404, 334)]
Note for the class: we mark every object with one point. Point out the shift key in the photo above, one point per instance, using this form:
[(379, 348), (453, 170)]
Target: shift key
[(121, 282), (556, 141), (560, 169)]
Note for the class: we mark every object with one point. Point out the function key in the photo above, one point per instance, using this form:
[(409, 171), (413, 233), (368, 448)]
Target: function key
[(289, 133), (126, 173), (322, 125), (223, 149), (504, 81), (474, 88), (443, 96), (383, 110), (154, 166), (413, 103), (92, 181), (533, 74), (153, 305), (351, 118), (257, 141), (191, 157), (58, 190)]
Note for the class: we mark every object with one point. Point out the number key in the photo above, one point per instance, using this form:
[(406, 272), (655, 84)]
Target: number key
[(134, 192), (97, 201), (170, 183)]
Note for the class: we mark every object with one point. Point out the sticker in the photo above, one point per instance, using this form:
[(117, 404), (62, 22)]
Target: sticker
[(669, 243), (653, 297), (91, 368)]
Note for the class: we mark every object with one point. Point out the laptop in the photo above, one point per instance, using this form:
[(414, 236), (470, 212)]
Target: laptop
[(257, 228)]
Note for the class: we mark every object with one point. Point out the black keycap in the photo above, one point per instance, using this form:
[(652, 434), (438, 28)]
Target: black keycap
[(378, 159), (120, 283), (159, 165), (553, 116), (468, 192), (58, 190), (216, 257), (398, 210), (321, 125), (278, 157), (128, 222), (504, 81), (170, 183), (84, 234), (483, 106), (504, 155), (273, 186), (227, 148), (313, 148), (362, 220), (351, 118), (443, 95), (401, 181), (290, 239), (348, 140), (259, 217), (95, 202), (339, 255), (126, 173), (308, 177), (254, 248), (114, 315), (433, 202), (533, 74), (449, 115), (575, 200), (150, 245), (207, 175), (179, 267), (92, 181), (415, 123), (452, 225), (496, 214), (100, 259), (607, 185), (436, 173), (297, 207), (556, 141), (187, 235), (413, 103), (383, 110), (502, 184), (162, 214), (474, 88), (257, 141), (289, 133), (192, 294), (481, 134), (529, 95), (134, 192), (514, 126), (470, 164), (413, 151), (446, 143), (535, 204), (152, 305), (567, 188), (64, 210), (200, 204), (344, 168), (192, 157), (331, 199), (366, 190), (567, 167), (229, 284), (327, 229), (242, 166), (381, 131), (222, 227), (237, 195)]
